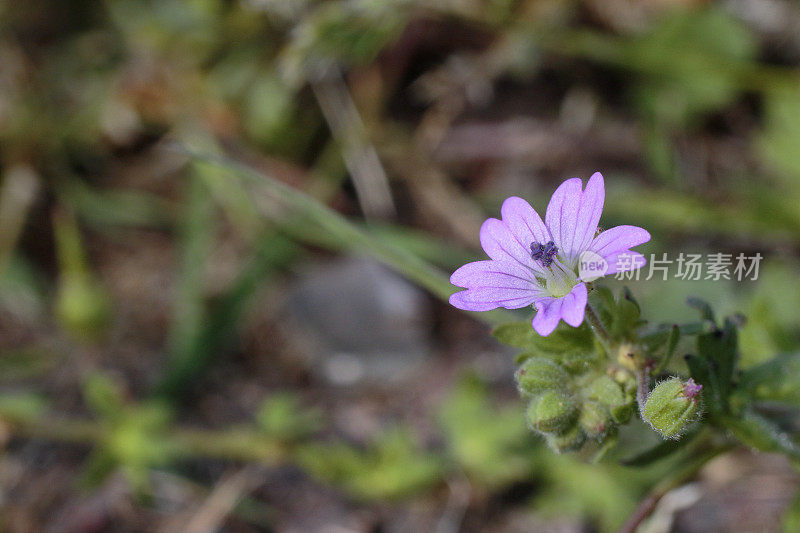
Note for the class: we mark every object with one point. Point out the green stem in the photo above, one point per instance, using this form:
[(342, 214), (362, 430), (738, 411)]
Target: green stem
[(642, 388), (597, 327)]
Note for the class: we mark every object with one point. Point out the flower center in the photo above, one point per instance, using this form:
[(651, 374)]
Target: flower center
[(544, 253), (557, 279)]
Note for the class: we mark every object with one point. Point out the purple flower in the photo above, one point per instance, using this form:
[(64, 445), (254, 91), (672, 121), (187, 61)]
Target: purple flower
[(544, 264)]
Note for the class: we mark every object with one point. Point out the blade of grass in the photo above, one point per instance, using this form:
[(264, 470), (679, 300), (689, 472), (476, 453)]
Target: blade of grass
[(220, 322), (189, 314), (343, 230)]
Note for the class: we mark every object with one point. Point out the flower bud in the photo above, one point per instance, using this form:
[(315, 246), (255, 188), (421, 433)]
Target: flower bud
[(623, 413), (672, 406), (605, 390), (569, 441), (594, 418), (552, 412), (538, 374)]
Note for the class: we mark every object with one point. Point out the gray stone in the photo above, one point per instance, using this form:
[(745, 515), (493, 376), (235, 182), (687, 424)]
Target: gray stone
[(363, 321)]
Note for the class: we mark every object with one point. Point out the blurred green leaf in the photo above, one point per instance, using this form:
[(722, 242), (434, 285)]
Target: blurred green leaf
[(491, 445), (22, 406), (103, 208), (778, 142), (776, 380), (691, 61), (391, 468), (283, 417), (563, 339), (218, 326), (83, 305), (104, 397), (758, 432)]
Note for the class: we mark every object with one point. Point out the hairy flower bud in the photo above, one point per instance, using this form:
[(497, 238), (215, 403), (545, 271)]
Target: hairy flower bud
[(672, 406), (594, 419), (569, 441), (606, 391), (538, 374), (552, 412)]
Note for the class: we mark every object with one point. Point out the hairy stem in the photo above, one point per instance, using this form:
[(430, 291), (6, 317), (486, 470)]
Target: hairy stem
[(642, 388), (597, 327)]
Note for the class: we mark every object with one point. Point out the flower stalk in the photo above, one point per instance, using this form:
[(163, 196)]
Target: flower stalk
[(598, 328)]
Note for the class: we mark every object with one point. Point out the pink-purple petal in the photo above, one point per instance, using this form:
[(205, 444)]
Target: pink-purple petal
[(547, 316), (591, 208), (624, 261), (573, 214), (493, 273), (574, 306), (562, 213), (524, 222), (460, 301), (617, 239), (487, 298), (500, 244), (491, 284)]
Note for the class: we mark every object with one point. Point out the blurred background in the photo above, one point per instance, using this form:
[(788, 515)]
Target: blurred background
[(191, 346)]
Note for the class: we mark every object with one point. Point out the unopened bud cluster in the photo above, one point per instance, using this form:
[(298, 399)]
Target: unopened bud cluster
[(569, 407)]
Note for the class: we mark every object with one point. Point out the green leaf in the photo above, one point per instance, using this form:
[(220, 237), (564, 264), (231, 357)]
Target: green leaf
[(602, 301), (283, 417), (22, 407), (709, 49), (626, 317), (564, 339), (701, 371), (721, 349), (217, 330), (104, 397), (706, 312), (777, 380), (392, 467), (790, 522), (779, 141), (349, 234), (757, 431)]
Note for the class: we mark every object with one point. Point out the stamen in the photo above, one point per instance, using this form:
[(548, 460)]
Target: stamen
[(537, 251), (545, 253)]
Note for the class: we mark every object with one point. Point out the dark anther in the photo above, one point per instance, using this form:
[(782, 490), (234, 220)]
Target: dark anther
[(544, 252), (537, 251)]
